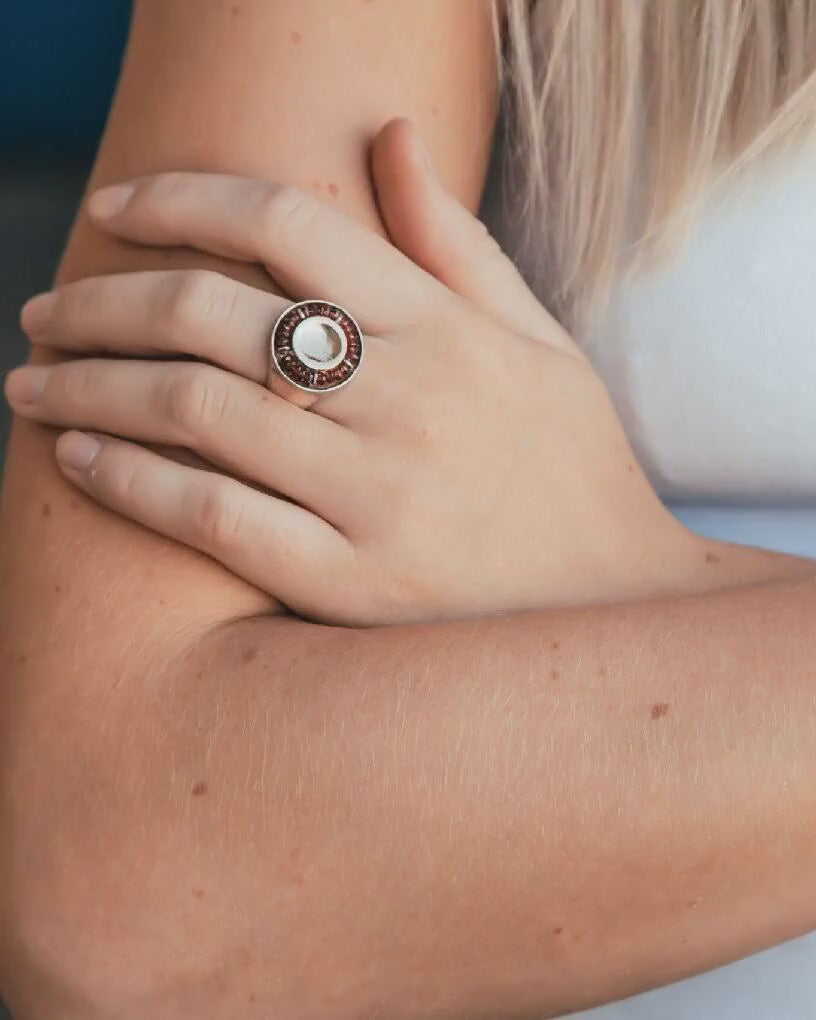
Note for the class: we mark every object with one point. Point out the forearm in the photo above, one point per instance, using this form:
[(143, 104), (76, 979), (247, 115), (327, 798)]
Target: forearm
[(536, 813), (510, 816)]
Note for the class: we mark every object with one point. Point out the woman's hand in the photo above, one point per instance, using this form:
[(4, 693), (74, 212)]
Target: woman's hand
[(474, 464)]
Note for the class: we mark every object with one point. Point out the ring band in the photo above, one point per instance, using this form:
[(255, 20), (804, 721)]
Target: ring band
[(316, 346)]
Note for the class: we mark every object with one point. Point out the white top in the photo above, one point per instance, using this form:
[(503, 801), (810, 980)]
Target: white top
[(711, 359)]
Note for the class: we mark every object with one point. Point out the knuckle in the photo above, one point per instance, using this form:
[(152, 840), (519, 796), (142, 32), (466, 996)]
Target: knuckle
[(157, 199), (188, 301), (164, 189), (72, 303), (288, 210), (218, 515), (195, 399), (115, 472), (222, 300), (76, 383), (482, 250)]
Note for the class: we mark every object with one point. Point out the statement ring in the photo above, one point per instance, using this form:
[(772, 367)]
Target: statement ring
[(316, 346)]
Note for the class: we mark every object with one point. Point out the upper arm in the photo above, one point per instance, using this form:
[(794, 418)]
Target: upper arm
[(293, 91)]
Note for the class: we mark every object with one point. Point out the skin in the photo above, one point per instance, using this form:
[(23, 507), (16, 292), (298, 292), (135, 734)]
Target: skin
[(243, 815), (460, 528)]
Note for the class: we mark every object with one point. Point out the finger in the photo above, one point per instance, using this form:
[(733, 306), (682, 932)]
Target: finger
[(277, 546), (226, 419), (439, 234), (193, 312), (310, 249)]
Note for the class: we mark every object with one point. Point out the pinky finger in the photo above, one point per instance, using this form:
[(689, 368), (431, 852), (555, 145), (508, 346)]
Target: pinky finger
[(277, 546)]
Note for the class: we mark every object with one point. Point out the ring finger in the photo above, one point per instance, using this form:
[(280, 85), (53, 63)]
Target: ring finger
[(223, 417), (196, 312)]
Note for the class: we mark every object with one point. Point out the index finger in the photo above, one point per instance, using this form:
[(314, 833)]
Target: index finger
[(308, 247)]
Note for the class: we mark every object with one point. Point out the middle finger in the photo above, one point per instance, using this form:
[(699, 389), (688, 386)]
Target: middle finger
[(196, 312)]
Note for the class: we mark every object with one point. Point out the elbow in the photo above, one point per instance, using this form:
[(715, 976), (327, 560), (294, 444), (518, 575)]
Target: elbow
[(75, 869)]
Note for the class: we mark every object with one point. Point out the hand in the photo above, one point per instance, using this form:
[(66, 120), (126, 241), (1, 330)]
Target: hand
[(475, 463)]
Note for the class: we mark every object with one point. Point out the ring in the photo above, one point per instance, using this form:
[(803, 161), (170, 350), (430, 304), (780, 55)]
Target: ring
[(316, 346)]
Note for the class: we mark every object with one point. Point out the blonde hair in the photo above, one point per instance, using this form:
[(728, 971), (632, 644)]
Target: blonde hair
[(625, 111)]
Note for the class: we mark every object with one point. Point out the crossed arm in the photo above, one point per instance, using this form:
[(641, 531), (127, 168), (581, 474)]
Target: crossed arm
[(245, 813)]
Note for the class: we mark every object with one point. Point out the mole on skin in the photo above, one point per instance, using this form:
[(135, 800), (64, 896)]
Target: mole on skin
[(199, 789), (296, 38), (198, 894), (46, 510), (555, 645), (250, 654), (712, 557), (659, 710), (333, 190)]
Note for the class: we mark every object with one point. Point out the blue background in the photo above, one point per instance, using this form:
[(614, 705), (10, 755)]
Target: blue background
[(58, 65), (59, 60)]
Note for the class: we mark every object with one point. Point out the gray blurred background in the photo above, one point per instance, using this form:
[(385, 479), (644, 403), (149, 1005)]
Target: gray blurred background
[(36, 207)]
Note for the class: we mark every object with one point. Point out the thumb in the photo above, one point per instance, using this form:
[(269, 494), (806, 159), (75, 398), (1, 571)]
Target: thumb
[(437, 233)]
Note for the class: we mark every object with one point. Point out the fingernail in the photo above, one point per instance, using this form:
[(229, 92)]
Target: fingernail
[(36, 312), (76, 451), (25, 385), (109, 202)]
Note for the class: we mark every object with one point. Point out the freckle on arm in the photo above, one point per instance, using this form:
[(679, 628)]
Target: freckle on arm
[(659, 710), (199, 789)]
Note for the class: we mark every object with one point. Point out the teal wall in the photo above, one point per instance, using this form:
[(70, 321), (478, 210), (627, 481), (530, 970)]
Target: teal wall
[(58, 65)]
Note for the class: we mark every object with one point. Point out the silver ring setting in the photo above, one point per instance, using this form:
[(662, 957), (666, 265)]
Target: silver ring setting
[(316, 346)]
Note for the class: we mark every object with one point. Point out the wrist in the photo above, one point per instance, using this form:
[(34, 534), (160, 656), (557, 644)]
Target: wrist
[(694, 564), (724, 565)]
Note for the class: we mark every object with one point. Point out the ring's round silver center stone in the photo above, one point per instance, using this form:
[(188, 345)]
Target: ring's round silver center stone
[(319, 342)]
